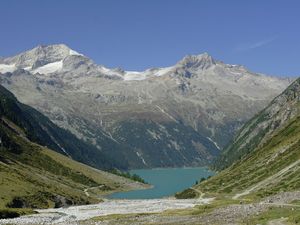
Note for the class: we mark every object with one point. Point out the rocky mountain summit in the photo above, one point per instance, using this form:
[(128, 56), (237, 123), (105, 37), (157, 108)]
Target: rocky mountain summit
[(180, 115)]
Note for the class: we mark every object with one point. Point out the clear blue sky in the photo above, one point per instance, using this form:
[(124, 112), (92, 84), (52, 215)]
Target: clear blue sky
[(263, 35)]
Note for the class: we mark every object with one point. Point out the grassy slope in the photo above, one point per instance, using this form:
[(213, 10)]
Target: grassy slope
[(287, 215), (40, 178), (278, 153), (262, 126)]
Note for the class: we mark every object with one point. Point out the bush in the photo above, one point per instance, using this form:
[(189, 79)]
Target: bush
[(187, 193)]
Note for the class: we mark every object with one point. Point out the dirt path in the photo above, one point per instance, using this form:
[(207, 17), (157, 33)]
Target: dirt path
[(268, 180), (86, 191), (280, 221), (282, 204), (201, 194)]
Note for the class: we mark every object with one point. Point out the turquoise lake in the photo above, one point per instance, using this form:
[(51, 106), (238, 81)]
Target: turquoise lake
[(166, 182)]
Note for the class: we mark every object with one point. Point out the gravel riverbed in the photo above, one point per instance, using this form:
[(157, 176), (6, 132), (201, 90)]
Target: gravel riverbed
[(72, 215)]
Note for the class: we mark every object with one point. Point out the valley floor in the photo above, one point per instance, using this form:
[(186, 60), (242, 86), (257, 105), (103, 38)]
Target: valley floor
[(283, 208), (75, 214)]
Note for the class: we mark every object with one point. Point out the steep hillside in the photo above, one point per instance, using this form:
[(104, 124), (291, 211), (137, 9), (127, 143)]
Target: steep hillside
[(32, 176), (180, 115), (265, 156), (38, 128), (263, 126)]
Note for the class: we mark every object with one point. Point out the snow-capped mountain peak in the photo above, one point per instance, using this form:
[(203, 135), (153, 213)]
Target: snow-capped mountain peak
[(189, 109), (43, 59)]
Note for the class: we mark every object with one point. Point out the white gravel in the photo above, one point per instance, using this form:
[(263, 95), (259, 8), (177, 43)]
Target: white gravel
[(77, 213)]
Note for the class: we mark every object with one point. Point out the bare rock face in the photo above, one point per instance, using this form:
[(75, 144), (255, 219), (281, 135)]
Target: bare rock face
[(180, 115)]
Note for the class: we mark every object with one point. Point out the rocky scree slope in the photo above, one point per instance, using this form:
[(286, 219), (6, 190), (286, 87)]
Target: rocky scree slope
[(180, 115)]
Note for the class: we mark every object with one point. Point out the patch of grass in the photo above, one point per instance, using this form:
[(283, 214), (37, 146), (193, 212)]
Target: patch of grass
[(267, 160), (292, 215), (296, 202), (119, 217), (187, 193), (110, 182), (39, 178)]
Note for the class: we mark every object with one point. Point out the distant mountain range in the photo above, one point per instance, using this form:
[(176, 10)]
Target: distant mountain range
[(181, 115)]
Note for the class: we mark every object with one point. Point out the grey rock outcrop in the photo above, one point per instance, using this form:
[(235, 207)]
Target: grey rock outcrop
[(180, 115)]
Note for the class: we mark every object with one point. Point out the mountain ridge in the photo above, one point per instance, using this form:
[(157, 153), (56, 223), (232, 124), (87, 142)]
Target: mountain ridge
[(58, 52), (206, 98)]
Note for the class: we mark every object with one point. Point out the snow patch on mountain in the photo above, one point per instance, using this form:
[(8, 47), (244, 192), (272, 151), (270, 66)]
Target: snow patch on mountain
[(72, 52), (215, 143), (133, 75), (139, 76), (163, 71), (141, 157), (4, 68), (49, 68)]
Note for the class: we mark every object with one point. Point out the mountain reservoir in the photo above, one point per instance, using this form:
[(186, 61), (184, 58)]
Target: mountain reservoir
[(166, 182)]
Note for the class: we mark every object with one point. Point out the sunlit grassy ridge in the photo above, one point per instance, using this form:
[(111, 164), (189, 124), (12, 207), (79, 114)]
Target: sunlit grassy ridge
[(34, 178), (272, 160), (262, 126)]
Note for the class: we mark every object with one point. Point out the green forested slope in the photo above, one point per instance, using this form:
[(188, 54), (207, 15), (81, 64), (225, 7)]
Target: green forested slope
[(271, 168)]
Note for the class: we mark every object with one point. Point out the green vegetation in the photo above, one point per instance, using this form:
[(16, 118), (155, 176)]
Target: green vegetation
[(32, 176), (237, 149), (262, 126), (271, 160), (134, 177), (129, 218), (37, 177), (187, 193), (289, 215), (267, 160), (29, 178)]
